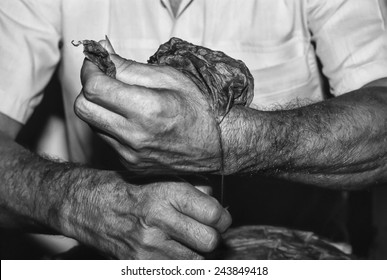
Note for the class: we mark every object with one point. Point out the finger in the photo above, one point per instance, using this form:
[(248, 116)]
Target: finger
[(130, 71), (191, 233), (169, 249), (146, 75), (175, 250), (124, 139), (99, 117), (154, 244), (90, 71), (203, 208), (114, 95)]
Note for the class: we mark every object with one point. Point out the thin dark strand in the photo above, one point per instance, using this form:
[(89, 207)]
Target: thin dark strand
[(221, 166)]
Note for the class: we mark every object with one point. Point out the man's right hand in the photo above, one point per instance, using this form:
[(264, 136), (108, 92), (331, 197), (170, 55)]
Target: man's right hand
[(166, 220)]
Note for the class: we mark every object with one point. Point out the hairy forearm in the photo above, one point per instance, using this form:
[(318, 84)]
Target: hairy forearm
[(341, 142), (34, 190)]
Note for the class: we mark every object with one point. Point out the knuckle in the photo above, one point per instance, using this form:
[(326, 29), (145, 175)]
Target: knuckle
[(138, 142), (158, 109), (91, 86), (79, 104), (129, 159), (137, 146), (180, 189), (148, 238), (154, 107), (139, 139)]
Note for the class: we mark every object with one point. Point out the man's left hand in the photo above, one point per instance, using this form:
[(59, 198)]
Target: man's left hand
[(153, 116)]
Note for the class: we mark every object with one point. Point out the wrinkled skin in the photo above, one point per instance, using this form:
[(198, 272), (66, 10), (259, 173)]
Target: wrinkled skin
[(154, 116), (164, 220)]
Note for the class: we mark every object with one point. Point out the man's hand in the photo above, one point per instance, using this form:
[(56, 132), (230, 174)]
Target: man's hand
[(168, 220), (154, 116), (124, 218)]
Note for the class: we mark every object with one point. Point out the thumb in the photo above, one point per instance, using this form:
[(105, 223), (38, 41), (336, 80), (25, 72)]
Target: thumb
[(107, 45), (135, 73), (120, 63), (132, 72), (123, 66)]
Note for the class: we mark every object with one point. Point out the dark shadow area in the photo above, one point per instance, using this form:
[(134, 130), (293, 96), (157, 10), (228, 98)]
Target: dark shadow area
[(19, 246), (360, 222), (264, 201), (51, 105)]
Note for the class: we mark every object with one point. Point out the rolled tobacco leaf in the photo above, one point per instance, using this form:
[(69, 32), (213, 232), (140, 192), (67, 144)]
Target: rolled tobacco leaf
[(98, 55)]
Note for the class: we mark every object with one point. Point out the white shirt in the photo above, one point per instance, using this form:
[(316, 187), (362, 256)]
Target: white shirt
[(273, 37)]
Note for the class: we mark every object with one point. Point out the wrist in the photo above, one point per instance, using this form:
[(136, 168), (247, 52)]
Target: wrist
[(79, 199), (58, 183), (253, 141), (239, 136), (93, 198)]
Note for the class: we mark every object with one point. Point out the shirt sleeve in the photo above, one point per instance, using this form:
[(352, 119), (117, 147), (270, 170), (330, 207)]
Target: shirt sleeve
[(351, 41), (29, 52)]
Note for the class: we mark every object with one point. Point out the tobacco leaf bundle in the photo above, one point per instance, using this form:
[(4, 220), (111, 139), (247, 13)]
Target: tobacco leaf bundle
[(223, 80), (98, 55)]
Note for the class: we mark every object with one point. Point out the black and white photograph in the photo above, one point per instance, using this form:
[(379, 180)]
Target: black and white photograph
[(193, 130)]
